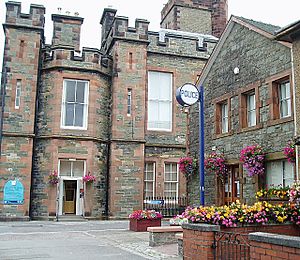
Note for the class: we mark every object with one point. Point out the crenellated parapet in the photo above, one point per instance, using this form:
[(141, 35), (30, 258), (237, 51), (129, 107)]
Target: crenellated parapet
[(180, 43), (35, 19), (66, 57), (120, 30)]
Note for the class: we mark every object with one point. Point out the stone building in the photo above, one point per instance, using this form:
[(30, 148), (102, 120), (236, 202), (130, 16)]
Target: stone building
[(290, 34), (108, 111), (248, 96)]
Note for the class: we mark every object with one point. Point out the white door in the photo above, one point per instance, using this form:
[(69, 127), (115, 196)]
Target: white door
[(79, 200)]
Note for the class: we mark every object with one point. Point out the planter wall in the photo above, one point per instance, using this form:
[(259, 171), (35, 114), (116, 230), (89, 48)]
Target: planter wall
[(140, 225), (199, 241)]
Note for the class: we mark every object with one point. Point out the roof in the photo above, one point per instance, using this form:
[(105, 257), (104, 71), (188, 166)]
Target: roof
[(266, 30), (269, 28), (289, 32)]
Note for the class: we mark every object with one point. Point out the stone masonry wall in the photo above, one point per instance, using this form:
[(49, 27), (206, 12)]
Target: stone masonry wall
[(296, 59), (66, 30), (187, 15), (258, 58), (48, 153), (126, 178), (23, 39)]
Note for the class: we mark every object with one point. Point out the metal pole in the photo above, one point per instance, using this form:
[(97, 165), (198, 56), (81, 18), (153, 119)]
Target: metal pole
[(201, 145)]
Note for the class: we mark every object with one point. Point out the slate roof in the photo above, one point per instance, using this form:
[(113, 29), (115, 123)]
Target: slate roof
[(269, 28)]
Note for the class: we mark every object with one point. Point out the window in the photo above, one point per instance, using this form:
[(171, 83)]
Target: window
[(224, 119), (251, 110), (129, 99), (281, 95), (18, 94), (159, 101), (130, 60), (279, 172), (74, 104), (284, 99), (249, 106), (222, 116), (71, 168), (21, 48), (171, 180), (149, 180)]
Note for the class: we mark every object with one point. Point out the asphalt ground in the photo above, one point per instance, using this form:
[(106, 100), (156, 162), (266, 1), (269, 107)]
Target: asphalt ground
[(85, 240)]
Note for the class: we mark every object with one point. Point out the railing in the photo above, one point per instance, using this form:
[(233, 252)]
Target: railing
[(231, 246), (167, 206)]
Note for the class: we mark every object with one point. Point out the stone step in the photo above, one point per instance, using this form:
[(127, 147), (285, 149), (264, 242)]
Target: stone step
[(71, 218)]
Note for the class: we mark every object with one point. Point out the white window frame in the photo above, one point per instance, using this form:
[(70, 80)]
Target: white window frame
[(224, 118), (177, 178), (71, 176), (148, 180), (284, 100), (86, 105), (283, 179), (251, 110), (160, 100), (18, 94)]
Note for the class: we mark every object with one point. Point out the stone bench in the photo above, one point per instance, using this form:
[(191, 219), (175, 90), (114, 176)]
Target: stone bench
[(163, 235)]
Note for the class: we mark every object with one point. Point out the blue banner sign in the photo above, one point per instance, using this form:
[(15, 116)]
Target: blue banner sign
[(156, 202), (13, 192)]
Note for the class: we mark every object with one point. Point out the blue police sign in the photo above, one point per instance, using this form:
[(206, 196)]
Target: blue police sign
[(187, 95), (13, 192)]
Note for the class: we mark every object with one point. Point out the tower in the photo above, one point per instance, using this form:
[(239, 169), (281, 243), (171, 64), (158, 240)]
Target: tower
[(24, 35), (197, 16)]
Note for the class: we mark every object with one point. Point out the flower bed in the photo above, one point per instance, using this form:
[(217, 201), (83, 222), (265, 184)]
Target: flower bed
[(140, 220), (241, 214)]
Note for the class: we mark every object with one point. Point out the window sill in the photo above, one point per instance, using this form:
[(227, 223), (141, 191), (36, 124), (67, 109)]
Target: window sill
[(217, 136), (73, 128), (251, 128), (280, 121)]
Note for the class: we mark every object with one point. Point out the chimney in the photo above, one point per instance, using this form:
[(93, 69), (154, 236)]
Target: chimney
[(107, 22), (66, 30)]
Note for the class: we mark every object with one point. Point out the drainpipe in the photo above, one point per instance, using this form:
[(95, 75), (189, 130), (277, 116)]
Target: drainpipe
[(295, 113)]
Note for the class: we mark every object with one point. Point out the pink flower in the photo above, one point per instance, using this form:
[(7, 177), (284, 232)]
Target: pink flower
[(253, 158), (89, 178)]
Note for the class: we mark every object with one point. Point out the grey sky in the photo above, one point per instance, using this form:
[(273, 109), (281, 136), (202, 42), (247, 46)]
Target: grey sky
[(275, 12)]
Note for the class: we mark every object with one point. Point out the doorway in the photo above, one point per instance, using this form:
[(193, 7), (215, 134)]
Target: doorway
[(69, 197), (232, 185)]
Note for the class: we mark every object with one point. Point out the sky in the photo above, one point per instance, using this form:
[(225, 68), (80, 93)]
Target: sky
[(276, 12)]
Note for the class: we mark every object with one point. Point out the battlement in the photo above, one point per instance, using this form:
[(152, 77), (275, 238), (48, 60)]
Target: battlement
[(65, 56), (66, 30), (173, 42), (35, 18), (120, 29)]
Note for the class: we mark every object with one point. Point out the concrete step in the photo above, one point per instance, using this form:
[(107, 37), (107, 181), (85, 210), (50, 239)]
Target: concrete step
[(71, 218)]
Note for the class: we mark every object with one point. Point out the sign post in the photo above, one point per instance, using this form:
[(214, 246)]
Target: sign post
[(188, 95)]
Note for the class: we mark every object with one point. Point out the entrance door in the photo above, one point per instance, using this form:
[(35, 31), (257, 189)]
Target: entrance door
[(69, 202), (232, 185)]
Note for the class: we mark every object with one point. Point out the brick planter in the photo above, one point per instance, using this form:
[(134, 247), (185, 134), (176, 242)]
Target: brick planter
[(141, 225)]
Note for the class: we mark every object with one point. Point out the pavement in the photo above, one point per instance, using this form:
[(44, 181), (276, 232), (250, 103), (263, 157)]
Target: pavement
[(106, 239)]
